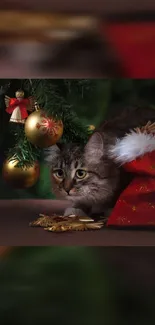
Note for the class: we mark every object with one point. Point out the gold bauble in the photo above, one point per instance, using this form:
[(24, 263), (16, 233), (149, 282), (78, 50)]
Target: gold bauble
[(41, 130), (20, 177), (91, 127)]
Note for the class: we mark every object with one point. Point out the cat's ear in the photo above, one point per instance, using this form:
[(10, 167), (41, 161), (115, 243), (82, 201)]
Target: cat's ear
[(51, 153), (94, 148)]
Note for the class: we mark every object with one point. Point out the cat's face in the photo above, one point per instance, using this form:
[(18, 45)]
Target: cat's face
[(81, 171), (68, 170)]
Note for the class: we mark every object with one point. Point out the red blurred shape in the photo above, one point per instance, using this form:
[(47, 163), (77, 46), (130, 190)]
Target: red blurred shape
[(134, 43)]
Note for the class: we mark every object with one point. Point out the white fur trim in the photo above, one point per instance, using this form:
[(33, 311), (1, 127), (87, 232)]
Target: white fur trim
[(132, 146)]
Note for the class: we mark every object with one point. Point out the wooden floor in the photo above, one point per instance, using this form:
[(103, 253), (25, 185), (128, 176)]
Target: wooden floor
[(15, 216)]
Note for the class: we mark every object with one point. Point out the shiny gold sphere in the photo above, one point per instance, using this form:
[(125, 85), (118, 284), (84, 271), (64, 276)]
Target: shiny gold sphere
[(41, 130), (19, 94), (91, 127), (20, 177)]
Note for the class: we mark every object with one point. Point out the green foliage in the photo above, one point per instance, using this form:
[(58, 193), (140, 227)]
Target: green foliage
[(89, 98), (65, 99), (54, 285), (69, 100), (23, 150), (130, 91), (43, 187), (75, 285), (52, 96), (53, 100)]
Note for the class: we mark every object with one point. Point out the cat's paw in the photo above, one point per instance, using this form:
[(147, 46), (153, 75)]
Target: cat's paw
[(76, 212)]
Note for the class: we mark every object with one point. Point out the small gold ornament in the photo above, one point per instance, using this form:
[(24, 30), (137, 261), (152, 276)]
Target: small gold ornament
[(42, 130), (20, 177), (62, 224), (91, 128)]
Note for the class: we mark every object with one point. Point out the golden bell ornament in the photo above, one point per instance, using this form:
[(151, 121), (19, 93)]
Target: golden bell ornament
[(41, 130), (20, 177)]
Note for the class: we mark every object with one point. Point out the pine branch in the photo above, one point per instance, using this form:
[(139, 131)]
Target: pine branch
[(23, 151), (56, 104), (74, 130), (47, 96)]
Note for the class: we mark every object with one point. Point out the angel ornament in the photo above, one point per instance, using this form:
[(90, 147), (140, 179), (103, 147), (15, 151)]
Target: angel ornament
[(18, 107)]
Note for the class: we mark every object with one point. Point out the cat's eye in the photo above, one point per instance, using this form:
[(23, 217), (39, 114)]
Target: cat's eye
[(58, 173), (81, 173)]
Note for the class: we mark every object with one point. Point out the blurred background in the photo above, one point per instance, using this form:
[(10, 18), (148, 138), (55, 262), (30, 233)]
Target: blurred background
[(77, 39), (66, 285), (89, 102)]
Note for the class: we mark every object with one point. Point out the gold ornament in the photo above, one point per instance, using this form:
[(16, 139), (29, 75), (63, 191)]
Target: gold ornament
[(71, 223), (20, 177), (91, 128), (42, 130)]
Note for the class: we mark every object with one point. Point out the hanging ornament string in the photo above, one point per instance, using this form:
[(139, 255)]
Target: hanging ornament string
[(35, 103), (40, 129), (32, 89)]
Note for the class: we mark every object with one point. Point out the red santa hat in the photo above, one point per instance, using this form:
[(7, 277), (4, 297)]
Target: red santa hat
[(136, 204)]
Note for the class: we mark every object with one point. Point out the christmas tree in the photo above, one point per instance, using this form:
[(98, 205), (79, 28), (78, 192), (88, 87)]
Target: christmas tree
[(72, 102)]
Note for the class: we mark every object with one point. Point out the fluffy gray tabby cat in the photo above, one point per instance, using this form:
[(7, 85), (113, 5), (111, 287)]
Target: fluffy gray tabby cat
[(87, 175)]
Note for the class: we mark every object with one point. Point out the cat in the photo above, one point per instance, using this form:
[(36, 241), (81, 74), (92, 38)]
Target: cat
[(87, 175)]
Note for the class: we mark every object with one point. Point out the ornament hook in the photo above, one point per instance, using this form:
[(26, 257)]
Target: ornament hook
[(36, 106)]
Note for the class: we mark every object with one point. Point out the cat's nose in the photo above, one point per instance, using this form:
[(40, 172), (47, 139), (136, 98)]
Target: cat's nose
[(67, 189), (68, 185), (72, 191)]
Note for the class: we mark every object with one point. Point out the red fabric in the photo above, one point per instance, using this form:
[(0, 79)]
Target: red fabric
[(14, 102), (136, 204), (143, 165), (134, 43)]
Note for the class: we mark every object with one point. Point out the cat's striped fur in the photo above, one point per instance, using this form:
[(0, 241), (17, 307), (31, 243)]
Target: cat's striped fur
[(90, 178)]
